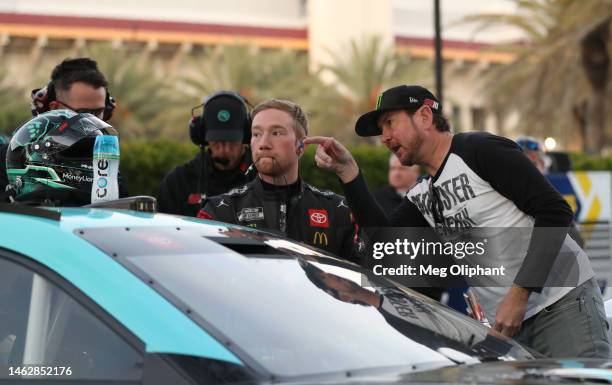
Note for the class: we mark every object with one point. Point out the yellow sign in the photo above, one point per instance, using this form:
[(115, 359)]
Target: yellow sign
[(571, 201), (592, 190), (320, 239)]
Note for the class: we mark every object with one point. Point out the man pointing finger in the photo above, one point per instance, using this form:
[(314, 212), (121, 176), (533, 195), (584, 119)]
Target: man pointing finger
[(500, 188), (331, 155)]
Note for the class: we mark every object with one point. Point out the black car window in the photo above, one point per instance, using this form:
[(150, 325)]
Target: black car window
[(45, 333), (293, 311)]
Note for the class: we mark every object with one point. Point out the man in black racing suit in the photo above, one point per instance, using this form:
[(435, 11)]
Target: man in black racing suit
[(278, 199)]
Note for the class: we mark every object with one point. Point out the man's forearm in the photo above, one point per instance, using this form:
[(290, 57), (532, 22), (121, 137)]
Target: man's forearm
[(541, 255), (366, 210)]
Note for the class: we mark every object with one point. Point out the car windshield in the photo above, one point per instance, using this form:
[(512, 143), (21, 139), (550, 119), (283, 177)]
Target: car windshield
[(291, 311)]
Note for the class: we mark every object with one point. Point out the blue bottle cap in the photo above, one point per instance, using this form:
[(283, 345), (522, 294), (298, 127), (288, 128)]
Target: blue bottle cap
[(106, 147)]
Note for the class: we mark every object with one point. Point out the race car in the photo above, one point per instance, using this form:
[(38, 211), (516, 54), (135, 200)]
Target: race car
[(99, 295)]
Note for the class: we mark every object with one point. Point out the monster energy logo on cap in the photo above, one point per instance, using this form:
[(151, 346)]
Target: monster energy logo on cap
[(223, 116), (402, 97)]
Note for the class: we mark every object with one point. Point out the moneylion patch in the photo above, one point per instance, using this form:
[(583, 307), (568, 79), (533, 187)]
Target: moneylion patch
[(251, 214)]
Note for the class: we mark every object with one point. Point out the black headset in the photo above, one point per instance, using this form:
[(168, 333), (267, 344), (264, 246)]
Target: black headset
[(197, 128), (42, 97)]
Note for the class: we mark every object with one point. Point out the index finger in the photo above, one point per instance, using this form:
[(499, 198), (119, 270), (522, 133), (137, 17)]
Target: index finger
[(316, 140)]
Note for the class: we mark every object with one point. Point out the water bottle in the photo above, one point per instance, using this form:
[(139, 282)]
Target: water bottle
[(105, 186)]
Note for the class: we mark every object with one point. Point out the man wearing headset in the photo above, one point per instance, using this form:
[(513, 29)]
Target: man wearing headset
[(278, 199), (223, 134), (76, 84)]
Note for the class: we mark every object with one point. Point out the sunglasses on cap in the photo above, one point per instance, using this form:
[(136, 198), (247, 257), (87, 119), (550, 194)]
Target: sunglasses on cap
[(529, 144)]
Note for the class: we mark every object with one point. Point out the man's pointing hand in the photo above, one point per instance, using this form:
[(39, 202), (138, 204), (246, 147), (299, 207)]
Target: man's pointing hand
[(331, 155)]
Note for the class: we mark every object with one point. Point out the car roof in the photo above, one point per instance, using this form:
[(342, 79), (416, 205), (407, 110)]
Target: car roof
[(53, 243)]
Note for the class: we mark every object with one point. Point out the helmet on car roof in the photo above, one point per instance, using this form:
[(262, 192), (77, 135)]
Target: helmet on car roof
[(49, 159)]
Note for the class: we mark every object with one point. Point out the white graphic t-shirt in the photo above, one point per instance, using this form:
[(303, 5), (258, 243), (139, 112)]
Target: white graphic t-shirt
[(487, 184)]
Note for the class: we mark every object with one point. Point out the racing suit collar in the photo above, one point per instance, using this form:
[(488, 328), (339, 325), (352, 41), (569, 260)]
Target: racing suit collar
[(262, 188)]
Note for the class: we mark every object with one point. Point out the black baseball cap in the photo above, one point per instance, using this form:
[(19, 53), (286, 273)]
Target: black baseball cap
[(224, 119), (402, 97)]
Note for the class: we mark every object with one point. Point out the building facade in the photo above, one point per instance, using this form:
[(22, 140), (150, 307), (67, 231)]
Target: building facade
[(35, 35)]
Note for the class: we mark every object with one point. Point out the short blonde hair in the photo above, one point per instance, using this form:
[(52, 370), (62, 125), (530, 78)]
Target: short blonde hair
[(300, 120)]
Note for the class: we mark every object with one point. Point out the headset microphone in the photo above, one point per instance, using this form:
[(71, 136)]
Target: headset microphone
[(251, 167)]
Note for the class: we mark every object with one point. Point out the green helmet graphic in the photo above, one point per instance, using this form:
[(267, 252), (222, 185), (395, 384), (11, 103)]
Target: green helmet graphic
[(51, 155)]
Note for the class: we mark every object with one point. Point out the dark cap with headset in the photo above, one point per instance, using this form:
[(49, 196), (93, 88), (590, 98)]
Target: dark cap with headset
[(225, 118)]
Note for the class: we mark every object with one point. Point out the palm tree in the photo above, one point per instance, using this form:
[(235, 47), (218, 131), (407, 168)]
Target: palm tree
[(363, 69), (258, 74), (14, 104), (255, 73), (560, 77), (147, 105), (261, 74)]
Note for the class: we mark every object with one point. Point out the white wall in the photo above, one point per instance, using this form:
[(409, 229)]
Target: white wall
[(333, 23), (408, 17), (415, 18), (275, 13)]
